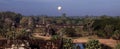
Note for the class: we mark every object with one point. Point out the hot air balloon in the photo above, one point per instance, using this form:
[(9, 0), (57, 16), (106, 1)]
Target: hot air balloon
[(59, 8)]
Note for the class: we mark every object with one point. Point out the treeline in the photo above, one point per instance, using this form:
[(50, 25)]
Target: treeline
[(102, 26), (107, 27), (10, 23)]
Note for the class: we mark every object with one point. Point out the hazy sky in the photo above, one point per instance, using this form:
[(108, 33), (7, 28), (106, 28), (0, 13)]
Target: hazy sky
[(70, 7)]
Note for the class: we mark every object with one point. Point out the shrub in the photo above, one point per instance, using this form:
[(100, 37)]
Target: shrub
[(117, 46), (67, 44), (93, 44), (55, 37)]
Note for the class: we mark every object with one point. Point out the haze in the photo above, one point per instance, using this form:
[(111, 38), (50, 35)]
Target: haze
[(70, 7)]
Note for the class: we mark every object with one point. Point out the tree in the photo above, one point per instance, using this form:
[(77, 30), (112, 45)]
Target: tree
[(80, 22), (59, 21), (51, 31), (73, 22), (67, 44), (69, 31), (23, 34), (11, 35), (17, 18), (117, 46), (55, 37), (116, 35), (8, 23), (64, 15), (24, 21), (31, 22), (68, 22), (108, 30), (93, 44), (88, 23), (105, 26), (79, 32)]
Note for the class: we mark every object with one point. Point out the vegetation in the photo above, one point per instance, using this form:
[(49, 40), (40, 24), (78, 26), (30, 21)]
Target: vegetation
[(117, 46), (69, 31), (93, 44), (16, 26), (67, 44), (102, 26), (106, 25), (116, 35), (55, 37)]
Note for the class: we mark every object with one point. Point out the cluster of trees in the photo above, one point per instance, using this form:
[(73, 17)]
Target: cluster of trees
[(69, 32), (93, 44), (7, 20), (10, 21), (117, 46), (102, 26), (67, 44), (107, 27)]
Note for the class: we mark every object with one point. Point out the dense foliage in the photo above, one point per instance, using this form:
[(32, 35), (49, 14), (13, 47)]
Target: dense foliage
[(67, 44), (102, 26), (69, 31), (117, 46), (93, 44), (116, 35), (55, 37), (106, 26)]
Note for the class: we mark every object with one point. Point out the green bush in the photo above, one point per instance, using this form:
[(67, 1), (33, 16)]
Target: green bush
[(93, 44), (55, 37), (116, 35), (69, 31), (117, 46), (67, 44)]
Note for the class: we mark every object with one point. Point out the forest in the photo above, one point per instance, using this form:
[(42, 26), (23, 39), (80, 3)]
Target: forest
[(14, 25)]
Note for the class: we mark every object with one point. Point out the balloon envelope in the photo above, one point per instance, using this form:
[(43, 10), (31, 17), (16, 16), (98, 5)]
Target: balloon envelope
[(59, 8)]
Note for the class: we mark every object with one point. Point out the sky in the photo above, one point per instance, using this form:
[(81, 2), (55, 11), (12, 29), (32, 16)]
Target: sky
[(70, 7)]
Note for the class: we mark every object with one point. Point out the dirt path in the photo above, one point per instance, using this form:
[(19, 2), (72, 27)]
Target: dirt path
[(42, 37), (108, 42)]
